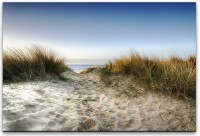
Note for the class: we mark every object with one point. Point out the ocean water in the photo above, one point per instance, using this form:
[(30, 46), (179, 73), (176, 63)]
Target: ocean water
[(78, 68)]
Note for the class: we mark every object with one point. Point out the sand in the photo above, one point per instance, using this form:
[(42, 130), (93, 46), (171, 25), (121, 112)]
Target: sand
[(83, 103)]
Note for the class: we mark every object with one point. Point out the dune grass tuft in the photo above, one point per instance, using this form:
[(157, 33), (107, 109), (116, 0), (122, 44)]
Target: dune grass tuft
[(174, 76), (88, 70), (31, 64)]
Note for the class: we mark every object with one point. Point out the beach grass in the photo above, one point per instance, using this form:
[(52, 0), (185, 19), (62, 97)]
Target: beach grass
[(32, 63), (173, 76), (88, 70)]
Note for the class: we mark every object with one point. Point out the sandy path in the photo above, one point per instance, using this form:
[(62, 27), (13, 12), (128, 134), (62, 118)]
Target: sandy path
[(85, 104)]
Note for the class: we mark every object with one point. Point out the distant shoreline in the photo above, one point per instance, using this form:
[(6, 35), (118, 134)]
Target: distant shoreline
[(81, 67)]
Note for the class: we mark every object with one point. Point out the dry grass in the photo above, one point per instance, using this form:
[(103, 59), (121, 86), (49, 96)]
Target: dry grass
[(30, 64), (88, 70), (174, 76)]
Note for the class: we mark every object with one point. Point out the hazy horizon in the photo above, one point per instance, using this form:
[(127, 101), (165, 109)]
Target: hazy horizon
[(87, 61), (102, 31)]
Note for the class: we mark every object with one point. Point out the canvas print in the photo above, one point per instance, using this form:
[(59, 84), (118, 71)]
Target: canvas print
[(99, 66)]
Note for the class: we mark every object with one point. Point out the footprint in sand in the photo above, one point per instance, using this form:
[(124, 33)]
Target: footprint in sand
[(10, 116), (40, 91), (60, 119), (121, 115), (87, 124)]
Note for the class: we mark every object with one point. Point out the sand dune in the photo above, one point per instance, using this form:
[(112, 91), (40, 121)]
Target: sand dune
[(84, 104)]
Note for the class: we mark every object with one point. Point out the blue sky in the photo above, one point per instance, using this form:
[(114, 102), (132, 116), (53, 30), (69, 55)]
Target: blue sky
[(102, 30)]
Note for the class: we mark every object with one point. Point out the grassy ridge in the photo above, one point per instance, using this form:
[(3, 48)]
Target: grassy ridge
[(31, 64), (174, 76)]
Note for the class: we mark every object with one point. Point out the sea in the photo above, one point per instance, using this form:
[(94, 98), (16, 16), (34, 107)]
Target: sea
[(80, 67)]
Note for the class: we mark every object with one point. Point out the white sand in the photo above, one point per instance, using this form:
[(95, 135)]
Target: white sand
[(78, 71), (82, 104)]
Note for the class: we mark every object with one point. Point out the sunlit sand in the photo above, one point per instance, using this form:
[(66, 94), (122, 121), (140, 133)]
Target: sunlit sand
[(83, 103)]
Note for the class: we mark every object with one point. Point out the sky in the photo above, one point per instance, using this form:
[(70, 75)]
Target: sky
[(98, 32)]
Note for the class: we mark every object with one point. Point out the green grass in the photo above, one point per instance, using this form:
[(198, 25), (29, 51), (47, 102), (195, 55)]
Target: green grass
[(174, 76), (30, 64)]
